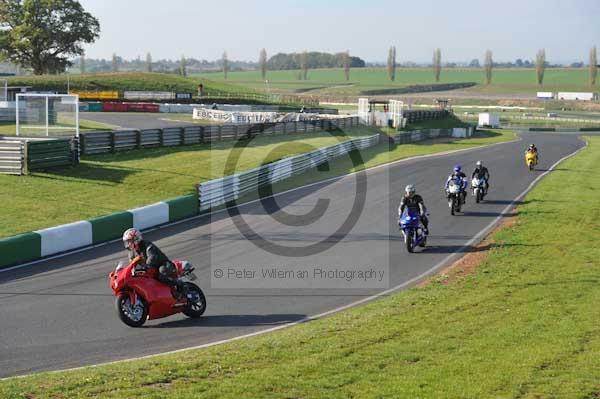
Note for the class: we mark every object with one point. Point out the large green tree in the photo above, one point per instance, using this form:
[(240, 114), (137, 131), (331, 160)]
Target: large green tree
[(44, 34)]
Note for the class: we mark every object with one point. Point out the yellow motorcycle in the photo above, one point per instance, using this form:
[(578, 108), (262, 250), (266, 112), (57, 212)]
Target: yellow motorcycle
[(531, 159)]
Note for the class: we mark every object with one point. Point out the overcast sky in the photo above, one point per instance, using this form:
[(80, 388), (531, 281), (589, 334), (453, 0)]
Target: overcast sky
[(463, 29)]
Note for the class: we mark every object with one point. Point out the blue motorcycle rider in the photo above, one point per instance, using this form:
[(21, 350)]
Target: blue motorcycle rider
[(414, 201), (459, 179)]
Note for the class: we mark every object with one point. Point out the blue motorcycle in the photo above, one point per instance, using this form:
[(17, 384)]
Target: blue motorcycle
[(410, 225)]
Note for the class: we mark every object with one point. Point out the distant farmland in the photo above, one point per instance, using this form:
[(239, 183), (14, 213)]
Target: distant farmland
[(332, 81)]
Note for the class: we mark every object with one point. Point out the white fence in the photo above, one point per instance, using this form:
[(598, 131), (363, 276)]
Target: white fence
[(221, 191), (413, 136), (539, 118), (148, 95)]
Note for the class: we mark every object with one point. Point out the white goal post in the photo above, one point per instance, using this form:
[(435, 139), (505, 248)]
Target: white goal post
[(40, 113)]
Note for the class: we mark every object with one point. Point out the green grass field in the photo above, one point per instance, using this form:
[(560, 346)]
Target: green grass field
[(332, 81), (524, 324), (108, 183), (10, 129), (122, 81)]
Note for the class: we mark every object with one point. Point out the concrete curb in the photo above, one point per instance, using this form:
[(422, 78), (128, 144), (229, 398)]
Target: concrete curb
[(67, 237)]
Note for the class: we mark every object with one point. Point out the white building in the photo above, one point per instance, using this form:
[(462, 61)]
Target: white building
[(545, 95), (488, 120), (569, 95)]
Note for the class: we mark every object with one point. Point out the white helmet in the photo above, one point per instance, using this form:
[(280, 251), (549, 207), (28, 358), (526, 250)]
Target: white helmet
[(410, 189), (131, 237), (479, 163)]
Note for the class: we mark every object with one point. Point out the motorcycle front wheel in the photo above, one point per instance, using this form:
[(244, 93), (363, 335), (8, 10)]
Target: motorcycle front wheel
[(409, 243), (195, 308), (134, 315)]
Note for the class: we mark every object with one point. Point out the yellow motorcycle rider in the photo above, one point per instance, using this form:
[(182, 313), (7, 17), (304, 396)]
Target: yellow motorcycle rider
[(531, 154)]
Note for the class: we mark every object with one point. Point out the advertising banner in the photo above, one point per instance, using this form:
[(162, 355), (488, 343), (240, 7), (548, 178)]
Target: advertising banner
[(234, 117)]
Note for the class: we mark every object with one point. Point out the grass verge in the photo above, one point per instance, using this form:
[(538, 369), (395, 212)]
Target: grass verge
[(104, 184), (122, 81), (10, 129), (110, 183), (524, 324)]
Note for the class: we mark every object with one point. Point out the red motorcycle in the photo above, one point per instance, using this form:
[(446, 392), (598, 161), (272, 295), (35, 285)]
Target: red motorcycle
[(140, 296)]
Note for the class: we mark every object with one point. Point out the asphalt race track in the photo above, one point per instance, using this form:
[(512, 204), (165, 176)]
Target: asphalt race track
[(60, 313), (134, 120)]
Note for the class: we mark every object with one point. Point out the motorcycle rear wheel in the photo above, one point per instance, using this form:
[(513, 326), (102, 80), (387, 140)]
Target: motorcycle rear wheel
[(196, 309), (122, 302)]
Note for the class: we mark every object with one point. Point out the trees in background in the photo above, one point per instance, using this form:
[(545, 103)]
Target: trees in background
[(115, 63), (540, 65), (45, 35), (148, 62), (182, 67), (82, 63), (488, 64), (314, 59), (262, 63), (593, 66), (347, 65), (391, 63), (437, 64), (474, 63), (303, 61), (225, 63)]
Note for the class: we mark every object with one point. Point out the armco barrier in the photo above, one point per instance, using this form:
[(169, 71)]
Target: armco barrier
[(95, 107), (22, 155), (413, 136), (221, 191), (44, 154), (122, 140), (422, 115), (11, 157), (114, 107)]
